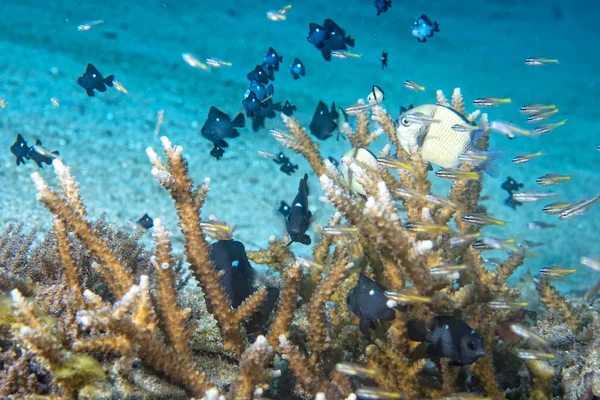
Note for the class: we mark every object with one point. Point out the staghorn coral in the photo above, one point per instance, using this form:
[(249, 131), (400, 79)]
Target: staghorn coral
[(121, 327)]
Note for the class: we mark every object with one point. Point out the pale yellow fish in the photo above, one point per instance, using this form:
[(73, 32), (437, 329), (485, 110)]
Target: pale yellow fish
[(119, 86), (354, 369), (447, 269), (3, 102), (55, 102), (490, 243), (345, 54), (408, 194), (88, 25), (462, 240), (276, 16), (526, 157), (490, 101), (390, 162), (534, 355), (376, 393), (438, 143), (284, 10), (456, 174), (536, 108), (537, 61), (413, 86), (214, 226), (528, 334), (557, 207), (215, 62), (308, 263), (424, 227), (402, 296), (557, 272), (552, 179), (507, 304), (160, 118), (541, 116), (508, 129), (543, 129), (194, 62), (339, 230), (481, 219)]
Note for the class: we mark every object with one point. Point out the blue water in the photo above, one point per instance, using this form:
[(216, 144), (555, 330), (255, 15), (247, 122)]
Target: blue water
[(480, 48)]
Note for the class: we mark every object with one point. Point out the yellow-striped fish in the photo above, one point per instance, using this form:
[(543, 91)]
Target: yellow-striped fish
[(437, 142)]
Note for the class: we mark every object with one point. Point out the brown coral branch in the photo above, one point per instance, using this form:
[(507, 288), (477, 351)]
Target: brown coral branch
[(287, 305), (253, 369), (277, 256), (552, 299)]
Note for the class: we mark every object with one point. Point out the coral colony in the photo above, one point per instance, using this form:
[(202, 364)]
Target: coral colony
[(90, 313)]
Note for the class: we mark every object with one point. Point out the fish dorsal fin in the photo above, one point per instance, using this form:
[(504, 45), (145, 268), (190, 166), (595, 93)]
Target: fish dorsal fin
[(91, 69)]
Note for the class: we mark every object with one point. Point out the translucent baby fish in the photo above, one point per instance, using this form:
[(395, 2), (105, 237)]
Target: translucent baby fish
[(556, 271), (406, 297), (354, 369), (490, 243), (552, 179), (439, 201), (578, 208), (345, 54), (276, 16), (3, 103), (420, 119), (508, 129), (215, 62), (424, 227), (339, 230), (464, 128), (120, 87), (284, 10), (390, 162), (507, 304), (591, 262), (490, 101), (544, 129), (447, 269), (557, 207), (88, 25), (456, 174), (526, 157), (308, 263), (356, 109), (534, 355), (413, 86), (264, 154), (492, 262), (375, 393), (537, 225), (531, 196), (408, 194), (481, 219), (465, 396), (536, 108), (55, 102), (541, 116), (537, 61), (159, 121), (194, 62), (528, 334), (462, 240), (38, 148)]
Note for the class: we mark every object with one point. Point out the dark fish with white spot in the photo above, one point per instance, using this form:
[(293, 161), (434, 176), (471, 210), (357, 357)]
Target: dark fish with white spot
[(288, 109), (230, 257), (145, 223), (259, 75), (299, 217), (369, 303), (448, 337), (93, 79), (20, 150), (423, 28), (382, 5), (271, 60), (218, 127), (324, 122), (297, 69)]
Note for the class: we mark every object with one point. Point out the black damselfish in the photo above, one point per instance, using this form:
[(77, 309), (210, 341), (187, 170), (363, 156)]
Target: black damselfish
[(382, 5), (218, 127), (230, 257), (329, 37), (323, 121), (448, 337), (271, 60), (145, 223), (384, 60), (369, 303), (93, 79), (511, 186), (259, 75), (297, 69), (299, 217), (288, 109), (20, 149), (253, 105), (286, 165)]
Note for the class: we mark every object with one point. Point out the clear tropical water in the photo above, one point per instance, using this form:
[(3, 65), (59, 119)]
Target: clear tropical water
[(481, 48)]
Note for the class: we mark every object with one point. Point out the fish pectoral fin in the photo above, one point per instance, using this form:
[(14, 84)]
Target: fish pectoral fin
[(326, 54), (422, 39), (234, 133), (90, 92), (221, 143), (101, 87)]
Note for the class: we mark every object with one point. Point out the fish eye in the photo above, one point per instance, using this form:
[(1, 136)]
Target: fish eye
[(217, 119), (93, 75), (471, 345), (298, 65), (317, 30), (404, 121)]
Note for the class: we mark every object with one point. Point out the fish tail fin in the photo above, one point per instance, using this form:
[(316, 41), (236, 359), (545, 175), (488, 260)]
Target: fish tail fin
[(389, 3), (238, 121), (108, 81), (416, 331), (326, 55), (490, 166), (349, 41), (234, 133), (436, 27)]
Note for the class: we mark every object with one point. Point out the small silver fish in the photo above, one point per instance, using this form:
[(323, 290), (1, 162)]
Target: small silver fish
[(421, 119), (527, 197), (552, 179), (557, 207), (480, 219), (541, 117), (526, 157), (490, 102), (544, 129), (413, 86), (578, 208), (462, 240), (508, 129), (537, 61), (536, 225), (536, 108)]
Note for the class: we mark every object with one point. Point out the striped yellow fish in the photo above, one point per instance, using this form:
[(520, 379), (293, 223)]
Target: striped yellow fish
[(437, 142)]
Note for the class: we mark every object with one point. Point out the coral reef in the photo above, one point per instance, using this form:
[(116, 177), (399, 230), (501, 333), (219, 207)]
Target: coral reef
[(89, 313)]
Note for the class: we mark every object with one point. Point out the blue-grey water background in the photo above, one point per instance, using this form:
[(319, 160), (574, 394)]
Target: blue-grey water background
[(480, 48)]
